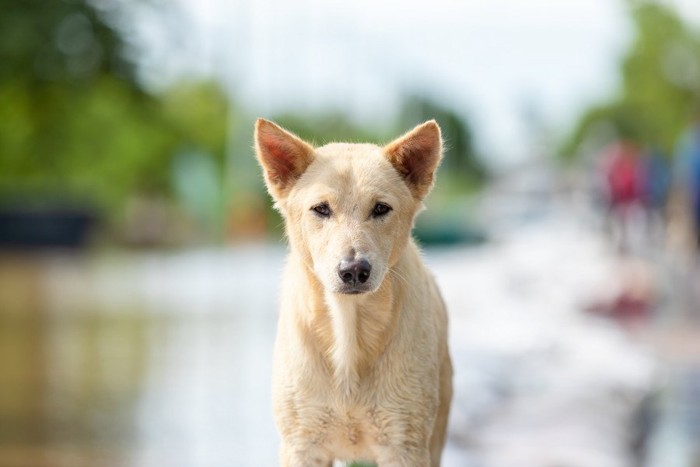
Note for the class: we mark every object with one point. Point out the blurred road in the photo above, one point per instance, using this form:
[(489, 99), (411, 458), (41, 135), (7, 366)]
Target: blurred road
[(138, 360), (152, 359)]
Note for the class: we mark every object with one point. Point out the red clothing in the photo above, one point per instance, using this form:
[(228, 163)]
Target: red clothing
[(624, 174)]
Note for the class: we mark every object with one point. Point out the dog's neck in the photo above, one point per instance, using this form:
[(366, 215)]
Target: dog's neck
[(353, 330), (346, 352)]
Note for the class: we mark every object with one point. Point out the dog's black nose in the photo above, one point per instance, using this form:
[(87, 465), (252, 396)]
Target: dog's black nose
[(354, 271)]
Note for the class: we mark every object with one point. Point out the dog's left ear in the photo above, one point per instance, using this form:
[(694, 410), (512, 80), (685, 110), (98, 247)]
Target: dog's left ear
[(416, 156), (283, 156)]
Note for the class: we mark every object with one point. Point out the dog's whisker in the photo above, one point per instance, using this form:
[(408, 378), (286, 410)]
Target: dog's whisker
[(398, 275)]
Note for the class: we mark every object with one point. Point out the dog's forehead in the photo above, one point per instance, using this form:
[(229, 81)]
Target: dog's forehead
[(349, 153), (343, 168), (364, 163)]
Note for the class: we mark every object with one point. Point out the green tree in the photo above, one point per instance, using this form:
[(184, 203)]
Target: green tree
[(660, 84), (67, 42), (198, 113), (328, 127), (74, 123)]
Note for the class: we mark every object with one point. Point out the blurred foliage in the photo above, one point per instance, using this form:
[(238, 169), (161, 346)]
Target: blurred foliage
[(330, 127), (72, 117), (59, 41), (74, 120), (197, 112), (660, 85), (77, 127)]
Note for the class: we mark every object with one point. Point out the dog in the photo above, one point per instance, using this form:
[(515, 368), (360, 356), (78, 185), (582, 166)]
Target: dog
[(361, 365)]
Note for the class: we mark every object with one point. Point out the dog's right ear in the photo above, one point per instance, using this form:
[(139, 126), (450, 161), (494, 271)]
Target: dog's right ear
[(283, 156)]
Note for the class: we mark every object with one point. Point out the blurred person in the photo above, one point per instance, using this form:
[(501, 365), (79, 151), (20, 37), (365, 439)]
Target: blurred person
[(622, 178), (687, 174), (655, 181)]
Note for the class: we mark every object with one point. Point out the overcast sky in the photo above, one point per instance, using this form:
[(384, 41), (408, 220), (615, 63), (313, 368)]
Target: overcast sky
[(505, 64)]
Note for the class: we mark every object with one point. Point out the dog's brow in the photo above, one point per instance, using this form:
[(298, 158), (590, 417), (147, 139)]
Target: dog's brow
[(317, 196)]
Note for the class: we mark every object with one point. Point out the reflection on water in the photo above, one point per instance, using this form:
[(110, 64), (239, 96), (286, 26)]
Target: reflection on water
[(144, 361), (163, 359)]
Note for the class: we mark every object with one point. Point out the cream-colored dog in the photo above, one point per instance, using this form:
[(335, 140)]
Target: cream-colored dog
[(361, 367)]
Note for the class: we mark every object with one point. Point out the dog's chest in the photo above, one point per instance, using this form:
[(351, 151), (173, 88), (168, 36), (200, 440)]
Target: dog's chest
[(351, 434)]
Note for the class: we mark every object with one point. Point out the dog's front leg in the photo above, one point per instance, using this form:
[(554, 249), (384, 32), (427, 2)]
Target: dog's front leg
[(309, 457)]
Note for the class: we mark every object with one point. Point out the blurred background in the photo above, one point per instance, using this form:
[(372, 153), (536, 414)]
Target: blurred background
[(140, 257)]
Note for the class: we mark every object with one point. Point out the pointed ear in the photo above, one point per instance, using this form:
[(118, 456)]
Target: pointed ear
[(283, 156), (416, 156)]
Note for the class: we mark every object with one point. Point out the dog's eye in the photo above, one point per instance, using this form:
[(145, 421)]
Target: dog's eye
[(380, 209), (322, 210)]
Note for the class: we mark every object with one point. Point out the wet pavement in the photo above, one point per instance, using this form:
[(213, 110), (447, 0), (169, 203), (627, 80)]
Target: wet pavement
[(163, 358), (138, 360)]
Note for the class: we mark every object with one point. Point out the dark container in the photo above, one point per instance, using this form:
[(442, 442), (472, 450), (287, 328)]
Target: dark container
[(47, 227)]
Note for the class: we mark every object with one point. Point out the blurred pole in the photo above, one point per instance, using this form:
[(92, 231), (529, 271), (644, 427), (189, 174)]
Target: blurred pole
[(239, 162), (230, 70)]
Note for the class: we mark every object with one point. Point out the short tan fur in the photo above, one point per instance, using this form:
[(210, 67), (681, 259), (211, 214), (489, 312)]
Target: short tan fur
[(361, 368)]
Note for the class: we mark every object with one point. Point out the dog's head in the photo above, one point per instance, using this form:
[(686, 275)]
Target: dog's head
[(349, 208)]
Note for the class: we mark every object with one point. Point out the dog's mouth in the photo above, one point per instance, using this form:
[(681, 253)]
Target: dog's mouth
[(347, 289)]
